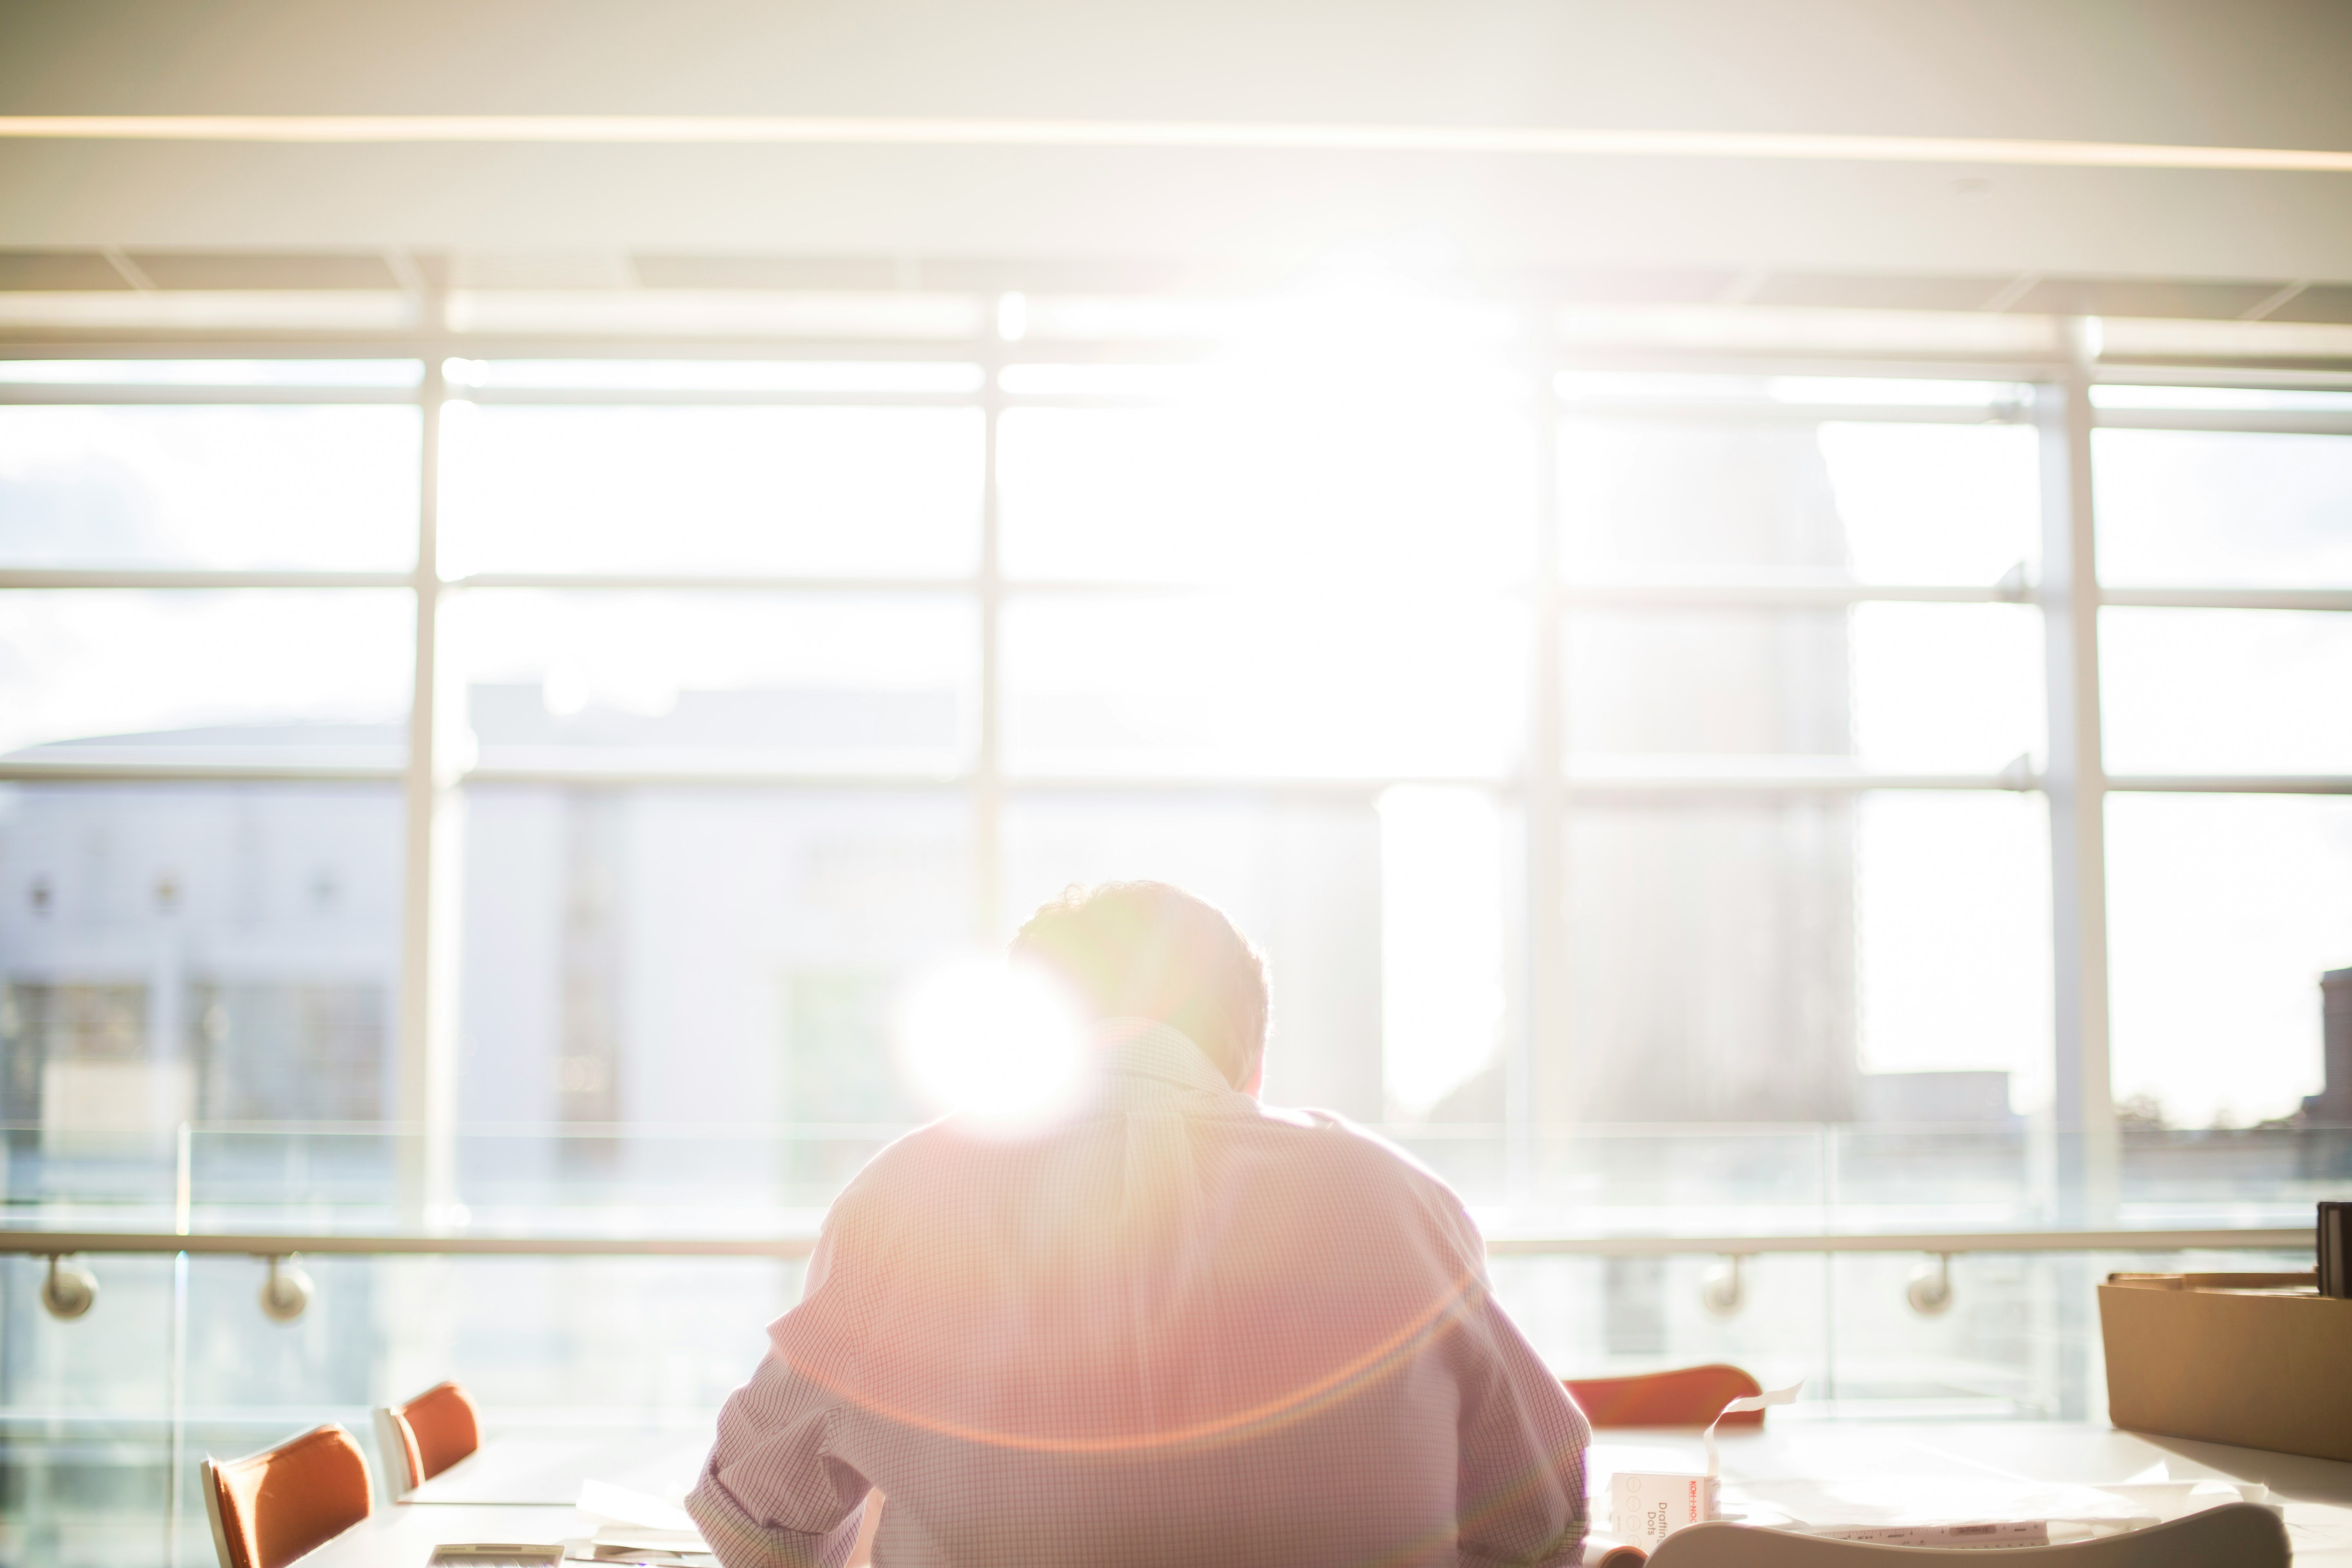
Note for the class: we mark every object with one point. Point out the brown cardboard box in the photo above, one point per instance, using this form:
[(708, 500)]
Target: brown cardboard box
[(2262, 1360)]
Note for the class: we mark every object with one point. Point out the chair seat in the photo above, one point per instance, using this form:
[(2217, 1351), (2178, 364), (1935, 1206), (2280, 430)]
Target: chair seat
[(426, 1435), (270, 1508), (1686, 1396)]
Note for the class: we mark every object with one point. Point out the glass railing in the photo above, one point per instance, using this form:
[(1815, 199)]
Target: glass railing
[(1667, 1179), (1617, 1249)]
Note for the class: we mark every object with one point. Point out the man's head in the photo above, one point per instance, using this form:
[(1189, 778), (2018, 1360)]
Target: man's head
[(1145, 950)]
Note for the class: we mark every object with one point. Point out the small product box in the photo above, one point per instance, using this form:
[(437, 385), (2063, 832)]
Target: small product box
[(1644, 1509), (1647, 1506), (2258, 1359)]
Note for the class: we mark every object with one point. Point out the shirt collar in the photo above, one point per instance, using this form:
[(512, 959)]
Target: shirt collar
[(1147, 1049)]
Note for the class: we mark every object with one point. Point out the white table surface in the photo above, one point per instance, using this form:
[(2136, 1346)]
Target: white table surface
[(401, 1537), (547, 1468), (2315, 1493)]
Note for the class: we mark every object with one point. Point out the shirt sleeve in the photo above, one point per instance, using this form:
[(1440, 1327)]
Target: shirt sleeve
[(1520, 1440), (771, 1494)]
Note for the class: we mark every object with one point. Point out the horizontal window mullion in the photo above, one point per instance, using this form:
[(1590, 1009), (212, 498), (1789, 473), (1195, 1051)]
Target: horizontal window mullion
[(624, 775), (706, 582), (703, 397), (2337, 599), (1577, 783), (1709, 411), (44, 578), (790, 583), (2227, 421), (50, 394), (1587, 781), (26, 770), (2229, 783), (1699, 595)]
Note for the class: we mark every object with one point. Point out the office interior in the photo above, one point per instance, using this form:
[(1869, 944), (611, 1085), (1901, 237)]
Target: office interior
[(1751, 606)]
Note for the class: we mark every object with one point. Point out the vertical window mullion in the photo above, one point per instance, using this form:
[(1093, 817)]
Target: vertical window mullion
[(1532, 1089), (421, 1099), (988, 765)]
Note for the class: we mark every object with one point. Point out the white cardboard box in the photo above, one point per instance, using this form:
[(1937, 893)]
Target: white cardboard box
[(1644, 1509)]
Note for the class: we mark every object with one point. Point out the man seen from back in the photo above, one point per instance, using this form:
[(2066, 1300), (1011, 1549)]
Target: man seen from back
[(1178, 1328)]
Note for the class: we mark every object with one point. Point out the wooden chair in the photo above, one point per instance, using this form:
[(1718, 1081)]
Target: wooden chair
[(2241, 1535), (1686, 1396), (270, 1508), (426, 1435)]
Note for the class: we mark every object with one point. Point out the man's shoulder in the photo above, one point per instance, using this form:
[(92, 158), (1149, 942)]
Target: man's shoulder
[(1330, 1140), (912, 1156), (1310, 1153)]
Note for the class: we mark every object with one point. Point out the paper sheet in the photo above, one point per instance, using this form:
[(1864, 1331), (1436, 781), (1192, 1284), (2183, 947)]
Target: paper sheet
[(1752, 1402), (1916, 1503), (609, 1504)]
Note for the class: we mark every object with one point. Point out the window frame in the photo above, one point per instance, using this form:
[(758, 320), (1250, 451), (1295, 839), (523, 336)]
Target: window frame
[(2057, 400)]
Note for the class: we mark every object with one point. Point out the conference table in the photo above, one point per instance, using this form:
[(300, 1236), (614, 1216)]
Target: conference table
[(524, 1486)]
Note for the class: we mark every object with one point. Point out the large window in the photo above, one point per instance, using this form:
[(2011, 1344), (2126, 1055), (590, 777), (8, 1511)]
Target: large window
[(1664, 792), (760, 683)]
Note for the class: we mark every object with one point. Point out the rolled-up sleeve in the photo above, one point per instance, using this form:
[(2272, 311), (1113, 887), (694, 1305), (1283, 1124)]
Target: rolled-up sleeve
[(772, 1495), (1520, 1438)]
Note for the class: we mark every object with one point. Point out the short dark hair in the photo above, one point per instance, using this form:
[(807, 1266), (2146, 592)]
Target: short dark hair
[(1146, 949)]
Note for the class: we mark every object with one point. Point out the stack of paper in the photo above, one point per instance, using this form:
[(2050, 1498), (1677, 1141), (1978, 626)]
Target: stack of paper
[(634, 1526), (1938, 1511)]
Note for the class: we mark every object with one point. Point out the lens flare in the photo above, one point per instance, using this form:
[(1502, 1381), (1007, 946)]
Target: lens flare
[(999, 1045)]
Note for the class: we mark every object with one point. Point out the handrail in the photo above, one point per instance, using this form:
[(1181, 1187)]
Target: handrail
[(282, 1244)]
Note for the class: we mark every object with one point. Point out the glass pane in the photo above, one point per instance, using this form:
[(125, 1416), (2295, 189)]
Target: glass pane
[(1597, 1317), (1193, 683), (1952, 946), (792, 681), (2222, 912), (639, 961), (1885, 503), (2204, 506), (1711, 962), (1301, 881), (224, 486), (1881, 958), (1098, 493), (195, 676), (1894, 686), (877, 490), (632, 1355), (221, 953), (1936, 503), (2226, 691), (1317, 482)]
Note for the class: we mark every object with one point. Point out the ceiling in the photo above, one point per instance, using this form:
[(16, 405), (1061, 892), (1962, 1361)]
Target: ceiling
[(2257, 73)]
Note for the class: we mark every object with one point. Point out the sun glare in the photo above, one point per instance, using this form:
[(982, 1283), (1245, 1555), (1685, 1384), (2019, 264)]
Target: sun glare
[(999, 1045)]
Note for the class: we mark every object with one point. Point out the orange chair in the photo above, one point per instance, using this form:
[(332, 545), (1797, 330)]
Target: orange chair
[(1688, 1396), (426, 1435), (270, 1508)]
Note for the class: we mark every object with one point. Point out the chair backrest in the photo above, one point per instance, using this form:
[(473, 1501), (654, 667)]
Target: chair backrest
[(1688, 1396), (2242, 1535), (426, 1435), (271, 1508)]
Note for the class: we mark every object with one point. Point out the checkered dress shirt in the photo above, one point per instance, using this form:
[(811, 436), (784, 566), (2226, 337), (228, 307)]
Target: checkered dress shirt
[(1180, 1330)]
